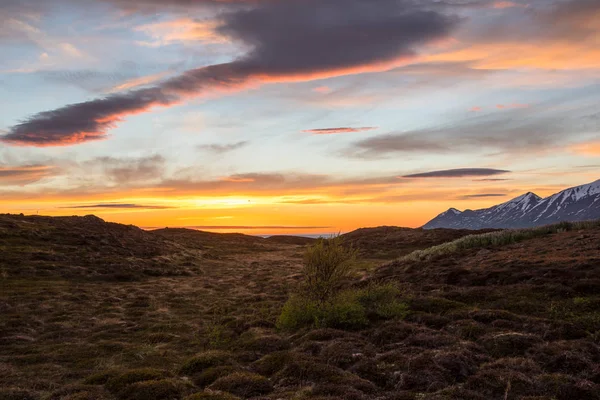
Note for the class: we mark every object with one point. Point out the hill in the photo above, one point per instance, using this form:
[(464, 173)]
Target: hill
[(579, 203), (388, 242), (495, 320)]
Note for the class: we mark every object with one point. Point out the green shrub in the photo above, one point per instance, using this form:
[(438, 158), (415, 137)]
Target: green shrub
[(344, 312), (382, 301), (326, 264), (243, 384), (298, 311), (207, 359), (349, 309)]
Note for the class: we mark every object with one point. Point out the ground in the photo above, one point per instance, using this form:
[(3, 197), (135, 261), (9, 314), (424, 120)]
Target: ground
[(102, 311)]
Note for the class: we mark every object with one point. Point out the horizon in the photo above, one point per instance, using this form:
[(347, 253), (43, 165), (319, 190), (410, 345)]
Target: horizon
[(270, 117)]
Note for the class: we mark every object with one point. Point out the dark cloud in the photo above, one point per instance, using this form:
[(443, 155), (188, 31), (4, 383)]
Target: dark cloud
[(25, 174), (459, 173), (117, 206), (331, 131), (223, 148), (82, 122), (321, 38)]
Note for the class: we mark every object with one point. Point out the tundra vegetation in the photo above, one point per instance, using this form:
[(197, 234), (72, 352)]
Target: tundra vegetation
[(91, 310)]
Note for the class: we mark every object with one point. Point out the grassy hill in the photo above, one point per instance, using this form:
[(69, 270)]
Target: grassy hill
[(195, 315)]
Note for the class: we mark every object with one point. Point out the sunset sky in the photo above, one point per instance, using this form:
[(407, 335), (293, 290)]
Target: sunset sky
[(293, 116)]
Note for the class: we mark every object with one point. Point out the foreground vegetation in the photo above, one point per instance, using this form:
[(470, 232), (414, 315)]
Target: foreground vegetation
[(504, 321)]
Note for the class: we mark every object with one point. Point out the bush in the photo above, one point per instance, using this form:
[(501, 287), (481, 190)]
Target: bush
[(326, 264), (243, 384), (381, 301), (349, 309)]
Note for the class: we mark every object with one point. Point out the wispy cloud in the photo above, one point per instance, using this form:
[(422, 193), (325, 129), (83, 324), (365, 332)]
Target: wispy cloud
[(482, 195), (25, 174), (251, 227), (116, 206), (223, 148), (332, 131), (458, 173), (181, 30)]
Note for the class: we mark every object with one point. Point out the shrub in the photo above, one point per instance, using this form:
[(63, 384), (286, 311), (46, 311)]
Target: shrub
[(348, 309), (298, 311), (243, 384), (326, 264), (207, 359), (381, 301)]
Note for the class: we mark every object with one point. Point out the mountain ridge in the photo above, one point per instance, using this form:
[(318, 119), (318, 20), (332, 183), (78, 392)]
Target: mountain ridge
[(528, 210)]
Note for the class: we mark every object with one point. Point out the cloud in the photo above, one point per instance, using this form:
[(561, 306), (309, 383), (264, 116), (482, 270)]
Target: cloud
[(183, 30), (252, 227), (459, 173), (589, 149), (223, 148), (322, 89), (514, 130), (331, 131), (83, 122), (130, 170), (26, 174), (513, 105), (507, 4), (491, 180), (117, 206), (482, 195), (323, 38)]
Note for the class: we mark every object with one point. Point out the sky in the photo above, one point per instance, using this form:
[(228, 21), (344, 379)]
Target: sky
[(293, 116)]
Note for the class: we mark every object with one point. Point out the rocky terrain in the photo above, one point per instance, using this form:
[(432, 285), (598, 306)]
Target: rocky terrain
[(195, 316)]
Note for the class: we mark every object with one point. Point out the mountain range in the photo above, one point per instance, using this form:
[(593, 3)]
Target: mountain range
[(578, 203)]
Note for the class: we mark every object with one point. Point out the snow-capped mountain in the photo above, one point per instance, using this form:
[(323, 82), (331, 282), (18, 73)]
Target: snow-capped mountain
[(575, 204)]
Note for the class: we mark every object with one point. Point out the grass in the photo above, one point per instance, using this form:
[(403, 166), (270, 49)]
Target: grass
[(496, 239)]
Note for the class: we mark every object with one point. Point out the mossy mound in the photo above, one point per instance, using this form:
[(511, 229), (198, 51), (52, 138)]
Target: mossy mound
[(207, 359), (243, 384)]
